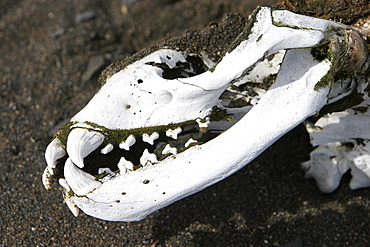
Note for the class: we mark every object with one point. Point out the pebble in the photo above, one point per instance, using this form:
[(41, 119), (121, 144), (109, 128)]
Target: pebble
[(86, 16)]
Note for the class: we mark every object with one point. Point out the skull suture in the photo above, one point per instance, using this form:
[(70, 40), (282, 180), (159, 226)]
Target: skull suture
[(157, 132)]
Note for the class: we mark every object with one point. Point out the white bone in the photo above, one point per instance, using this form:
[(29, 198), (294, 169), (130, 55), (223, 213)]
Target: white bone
[(203, 123), (81, 142), (107, 171), (173, 133), (107, 149), (124, 165), (327, 166), (148, 157), (79, 181), (123, 88), (64, 184), (189, 142), (251, 135), (336, 131), (127, 143), (54, 151), (150, 138), (169, 150), (139, 97)]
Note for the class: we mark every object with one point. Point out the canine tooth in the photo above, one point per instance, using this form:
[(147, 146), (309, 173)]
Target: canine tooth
[(203, 123), (54, 151), (148, 157), (124, 165), (150, 138), (173, 133), (79, 181), (107, 149), (169, 150), (128, 143), (189, 142), (81, 142)]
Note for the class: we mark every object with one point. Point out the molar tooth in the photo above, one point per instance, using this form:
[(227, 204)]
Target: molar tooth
[(203, 123), (189, 142), (81, 142), (124, 165), (173, 133), (148, 157), (128, 143), (107, 149), (79, 181), (169, 150), (150, 138), (54, 151), (107, 171)]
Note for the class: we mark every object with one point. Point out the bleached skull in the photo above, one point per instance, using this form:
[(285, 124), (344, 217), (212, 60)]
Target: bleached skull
[(157, 132)]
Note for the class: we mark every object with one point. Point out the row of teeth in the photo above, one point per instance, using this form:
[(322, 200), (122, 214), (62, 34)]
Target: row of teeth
[(81, 142)]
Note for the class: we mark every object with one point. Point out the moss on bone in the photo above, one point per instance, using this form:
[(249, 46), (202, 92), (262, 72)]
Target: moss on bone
[(116, 136), (63, 133), (219, 114), (242, 36)]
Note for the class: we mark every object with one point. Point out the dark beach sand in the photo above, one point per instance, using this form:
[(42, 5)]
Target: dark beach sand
[(45, 48)]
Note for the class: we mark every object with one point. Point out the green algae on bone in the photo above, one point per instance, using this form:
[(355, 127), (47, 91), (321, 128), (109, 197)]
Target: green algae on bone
[(116, 136)]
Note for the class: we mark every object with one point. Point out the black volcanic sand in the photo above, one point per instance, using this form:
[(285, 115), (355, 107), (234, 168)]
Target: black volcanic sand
[(45, 50)]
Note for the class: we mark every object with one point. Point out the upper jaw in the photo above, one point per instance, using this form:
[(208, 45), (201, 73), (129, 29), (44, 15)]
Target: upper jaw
[(126, 127)]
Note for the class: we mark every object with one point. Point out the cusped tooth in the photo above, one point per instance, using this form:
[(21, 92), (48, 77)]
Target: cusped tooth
[(54, 151), (124, 165), (81, 142), (107, 149), (106, 170), (148, 157), (189, 142), (150, 138), (169, 150), (79, 181), (127, 143), (203, 123), (173, 132)]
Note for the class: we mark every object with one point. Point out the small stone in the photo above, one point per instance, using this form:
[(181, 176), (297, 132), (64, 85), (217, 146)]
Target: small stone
[(58, 32), (95, 65), (86, 16)]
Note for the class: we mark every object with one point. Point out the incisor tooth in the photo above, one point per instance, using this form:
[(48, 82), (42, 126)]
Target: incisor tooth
[(173, 133), (148, 157), (150, 138), (79, 181), (127, 143), (169, 150), (107, 149), (54, 151), (81, 142), (124, 165)]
